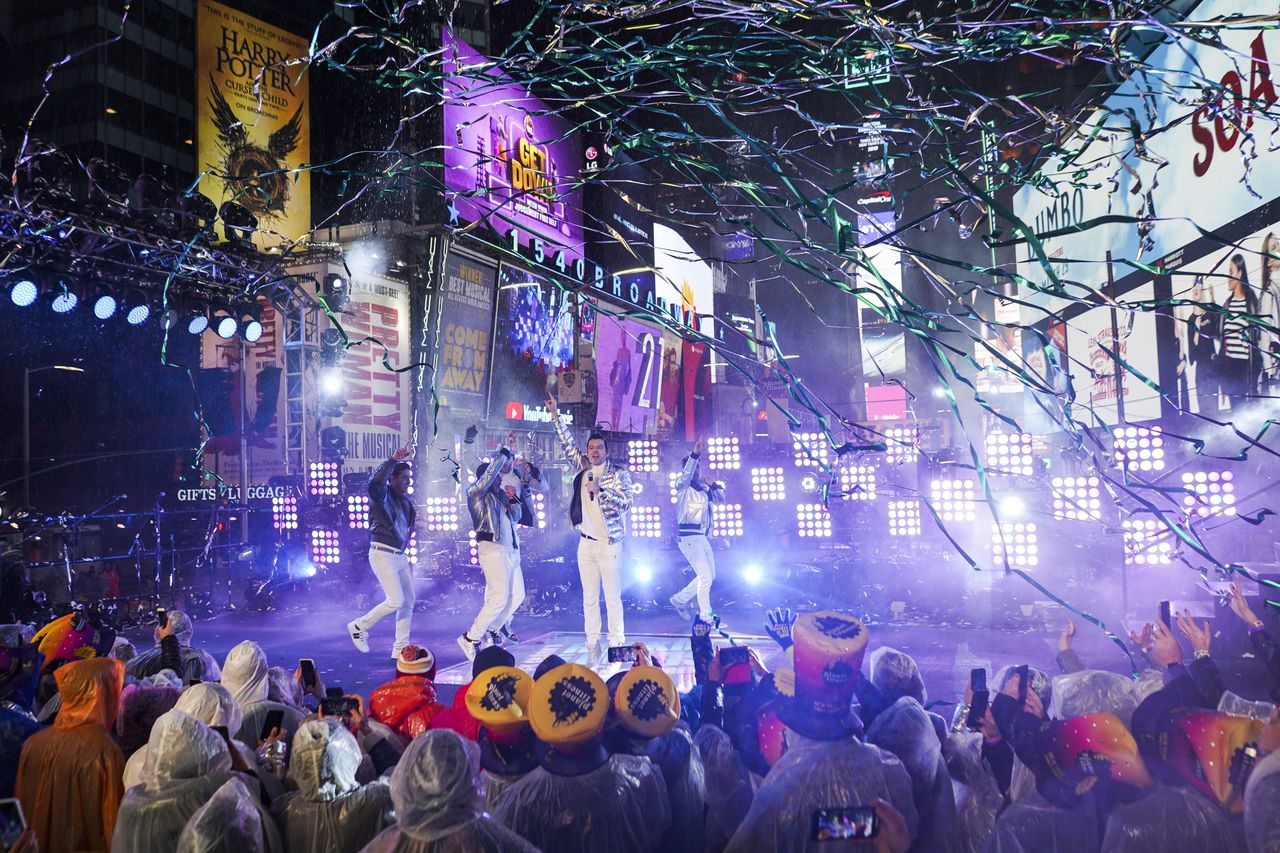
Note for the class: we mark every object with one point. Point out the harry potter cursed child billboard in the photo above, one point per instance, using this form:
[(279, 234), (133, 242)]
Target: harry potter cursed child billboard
[(254, 134)]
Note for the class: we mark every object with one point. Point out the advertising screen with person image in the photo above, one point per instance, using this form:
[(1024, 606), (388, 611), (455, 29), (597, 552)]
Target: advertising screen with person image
[(628, 375), (532, 340)]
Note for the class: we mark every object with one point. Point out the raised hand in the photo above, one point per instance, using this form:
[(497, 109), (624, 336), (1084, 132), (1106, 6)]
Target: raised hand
[(1240, 607), (1068, 631), (552, 405), (777, 624), (511, 442), (697, 447), (402, 454), (1199, 637)]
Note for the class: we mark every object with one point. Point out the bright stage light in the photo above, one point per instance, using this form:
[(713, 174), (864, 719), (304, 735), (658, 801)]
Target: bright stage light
[(1012, 507), (902, 444), (197, 322), (646, 522), (809, 449), (284, 512), (1147, 542), (104, 306), (813, 520), (726, 520), (1077, 498), (136, 308), (475, 550), (642, 455), (331, 382), (637, 487), (64, 302), (753, 574), (1213, 493), (441, 514), (325, 548), (411, 550), (723, 453), (904, 517), (358, 512), (644, 573), (953, 500), (540, 509), (1139, 448), (1015, 545), (24, 293), (252, 331), (304, 568), (324, 479), (768, 484), (1009, 453), (250, 321), (858, 482)]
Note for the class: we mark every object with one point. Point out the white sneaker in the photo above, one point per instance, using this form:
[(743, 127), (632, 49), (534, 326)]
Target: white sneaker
[(469, 648), (595, 655), (359, 638)]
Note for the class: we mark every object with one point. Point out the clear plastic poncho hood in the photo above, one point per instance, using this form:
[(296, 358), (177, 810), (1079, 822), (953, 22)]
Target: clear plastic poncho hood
[(1093, 691), (1172, 820)]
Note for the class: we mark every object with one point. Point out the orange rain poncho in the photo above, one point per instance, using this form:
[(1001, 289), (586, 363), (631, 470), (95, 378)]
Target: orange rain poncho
[(70, 775)]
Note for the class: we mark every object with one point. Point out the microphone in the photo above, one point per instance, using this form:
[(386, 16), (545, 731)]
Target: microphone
[(591, 478)]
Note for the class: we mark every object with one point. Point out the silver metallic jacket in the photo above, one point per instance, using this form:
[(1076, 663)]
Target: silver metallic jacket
[(693, 507), (485, 506), (615, 487)]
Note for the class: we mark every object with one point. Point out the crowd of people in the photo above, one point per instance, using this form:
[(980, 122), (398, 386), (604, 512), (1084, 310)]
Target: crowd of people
[(840, 744)]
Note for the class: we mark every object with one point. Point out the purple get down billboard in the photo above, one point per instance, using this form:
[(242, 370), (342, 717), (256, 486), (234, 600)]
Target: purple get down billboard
[(508, 159)]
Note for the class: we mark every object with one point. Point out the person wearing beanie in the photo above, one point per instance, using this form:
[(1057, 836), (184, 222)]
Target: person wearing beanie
[(598, 506), (581, 798), (549, 663), (693, 514), (456, 716), (825, 765), (499, 699), (173, 651), (407, 704), (496, 511)]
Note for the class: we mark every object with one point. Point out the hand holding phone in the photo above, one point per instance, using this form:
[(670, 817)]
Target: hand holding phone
[(1165, 615), (162, 617), (732, 655), (857, 823), (622, 654), (12, 823), (980, 701), (307, 668), (274, 720), (338, 706)]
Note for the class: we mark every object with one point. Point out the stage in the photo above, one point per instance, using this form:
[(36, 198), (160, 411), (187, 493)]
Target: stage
[(944, 653)]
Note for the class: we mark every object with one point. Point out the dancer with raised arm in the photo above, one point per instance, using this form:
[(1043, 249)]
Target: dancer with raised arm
[(496, 511), (693, 515), (391, 520), (597, 510)]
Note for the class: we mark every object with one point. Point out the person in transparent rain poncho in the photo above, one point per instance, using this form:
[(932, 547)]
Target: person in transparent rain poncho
[(244, 674), (230, 822), (1172, 820), (438, 802), (906, 730)]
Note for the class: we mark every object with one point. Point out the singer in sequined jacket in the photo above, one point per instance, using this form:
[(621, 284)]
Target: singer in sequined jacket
[(615, 487)]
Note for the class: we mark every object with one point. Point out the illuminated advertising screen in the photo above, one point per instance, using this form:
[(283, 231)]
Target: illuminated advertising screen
[(509, 160), (619, 230), (684, 283), (532, 339), (628, 374)]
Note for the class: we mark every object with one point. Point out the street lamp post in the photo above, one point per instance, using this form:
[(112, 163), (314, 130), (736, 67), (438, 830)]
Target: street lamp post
[(26, 423)]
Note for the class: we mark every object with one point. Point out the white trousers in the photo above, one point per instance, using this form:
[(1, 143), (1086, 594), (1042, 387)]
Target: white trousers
[(598, 567), (392, 572), (503, 588), (697, 550)]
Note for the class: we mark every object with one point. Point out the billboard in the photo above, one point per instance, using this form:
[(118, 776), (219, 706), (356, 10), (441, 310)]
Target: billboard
[(509, 160), (462, 363), (253, 133), (671, 411), (620, 228), (684, 282), (628, 374), (377, 419), (532, 339)]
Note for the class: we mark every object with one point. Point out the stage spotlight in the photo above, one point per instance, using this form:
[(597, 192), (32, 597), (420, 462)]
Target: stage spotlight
[(224, 324), (813, 520), (105, 302), (953, 500), (904, 517), (644, 573), (411, 550), (540, 509), (753, 574), (325, 479), (304, 568), (1212, 493), (1014, 545), (1077, 498), (1140, 448), (858, 482), (441, 514), (1147, 542), (808, 483), (726, 521), (325, 548), (646, 522), (250, 321), (335, 291), (723, 453), (672, 479), (284, 512), (24, 293), (809, 449), (475, 551), (1009, 453), (197, 320), (358, 512), (331, 382), (1012, 507), (64, 300), (137, 310), (768, 484), (642, 455)]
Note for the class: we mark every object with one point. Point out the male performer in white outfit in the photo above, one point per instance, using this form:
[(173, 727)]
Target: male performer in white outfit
[(496, 510), (597, 510), (693, 517), (391, 519)]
